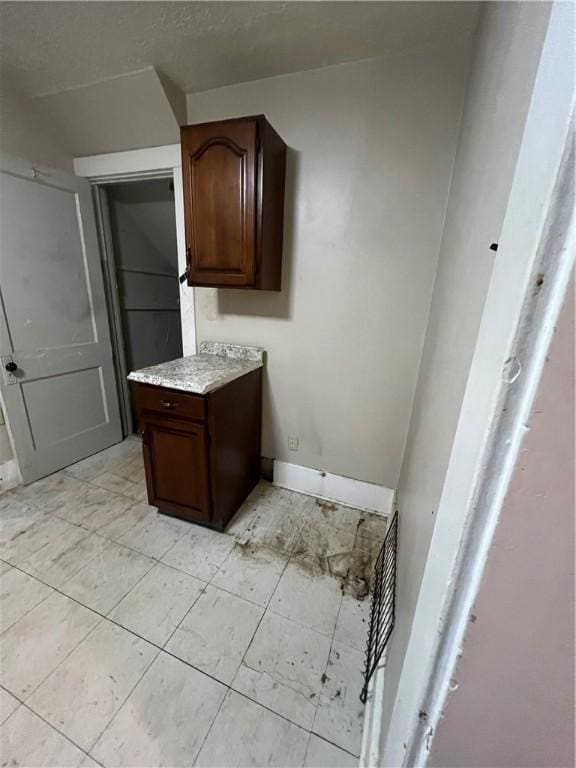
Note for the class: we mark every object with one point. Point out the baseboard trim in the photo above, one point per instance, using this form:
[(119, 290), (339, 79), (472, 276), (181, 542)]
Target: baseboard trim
[(9, 476), (372, 728), (342, 490)]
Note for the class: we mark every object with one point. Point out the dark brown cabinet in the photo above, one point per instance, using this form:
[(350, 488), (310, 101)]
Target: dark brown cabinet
[(201, 452), (177, 466), (233, 176)]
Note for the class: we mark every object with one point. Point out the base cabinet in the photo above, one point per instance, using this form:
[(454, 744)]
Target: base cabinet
[(201, 453)]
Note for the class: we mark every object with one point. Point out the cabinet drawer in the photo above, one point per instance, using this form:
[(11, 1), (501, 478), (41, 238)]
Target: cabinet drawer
[(170, 403)]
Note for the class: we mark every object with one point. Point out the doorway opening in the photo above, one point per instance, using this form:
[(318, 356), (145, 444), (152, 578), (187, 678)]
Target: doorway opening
[(138, 228)]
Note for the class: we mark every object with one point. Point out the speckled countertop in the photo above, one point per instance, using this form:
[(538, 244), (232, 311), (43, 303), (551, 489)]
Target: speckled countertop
[(216, 364)]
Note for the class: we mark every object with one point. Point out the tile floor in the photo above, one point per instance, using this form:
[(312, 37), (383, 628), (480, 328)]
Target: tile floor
[(134, 639)]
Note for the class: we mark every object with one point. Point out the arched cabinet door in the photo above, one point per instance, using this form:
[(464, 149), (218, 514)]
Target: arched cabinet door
[(219, 173), (233, 178)]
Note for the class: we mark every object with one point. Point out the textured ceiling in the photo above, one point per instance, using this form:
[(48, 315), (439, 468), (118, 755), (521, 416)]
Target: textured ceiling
[(52, 46)]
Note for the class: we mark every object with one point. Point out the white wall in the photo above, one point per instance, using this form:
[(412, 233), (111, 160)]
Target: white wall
[(514, 701), (371, 149), (25, 132), (126, 112), (503, 73)]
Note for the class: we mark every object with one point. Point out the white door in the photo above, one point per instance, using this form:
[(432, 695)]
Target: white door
[(60, 398)]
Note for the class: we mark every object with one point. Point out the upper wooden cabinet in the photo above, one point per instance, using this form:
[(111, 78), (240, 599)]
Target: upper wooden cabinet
[(233, 174)]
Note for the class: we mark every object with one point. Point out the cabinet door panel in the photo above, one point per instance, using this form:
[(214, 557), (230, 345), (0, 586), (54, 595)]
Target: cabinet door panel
[(219, 171), (175, 455)]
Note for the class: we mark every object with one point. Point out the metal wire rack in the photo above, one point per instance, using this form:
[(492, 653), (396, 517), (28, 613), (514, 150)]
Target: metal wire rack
[(383, 605)]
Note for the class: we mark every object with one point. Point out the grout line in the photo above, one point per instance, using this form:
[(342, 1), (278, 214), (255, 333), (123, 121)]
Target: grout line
[(48, 723), (342, 749), (64, 658), (329, 658), (197, 755), (115, 715), (93, 759), (261, 620), (5, 629), (129, 591), (198, 596)]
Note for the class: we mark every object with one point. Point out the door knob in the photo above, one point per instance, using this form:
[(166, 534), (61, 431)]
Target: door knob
[(11, 366)]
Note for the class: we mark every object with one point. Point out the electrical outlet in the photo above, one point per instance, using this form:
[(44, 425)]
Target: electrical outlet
[(292, 442)]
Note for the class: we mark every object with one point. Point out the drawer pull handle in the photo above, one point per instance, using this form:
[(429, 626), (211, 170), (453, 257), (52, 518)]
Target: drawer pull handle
[(168, 404)]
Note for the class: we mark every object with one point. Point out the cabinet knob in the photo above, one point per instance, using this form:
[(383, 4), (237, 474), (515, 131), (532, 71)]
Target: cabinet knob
[(168, 404), (11, 366)]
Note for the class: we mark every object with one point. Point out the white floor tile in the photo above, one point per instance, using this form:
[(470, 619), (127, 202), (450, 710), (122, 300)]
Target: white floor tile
[(27, 741), (46, 494), (34, 646), (318, 541), (19, 593), (133, 470), (322, 754), (8, 704), (92, 508), (200, 552), (248, 511), (283, 668), (138, 492), (63, 556), (16, 517), (164, 720), (155, 534), (82, 696), (245, 734), (116, 528), (309, 596), (112, 482), (216, 633), (251, 572), (321, 512), (158, 603), (89, 762), (275, 519), (107, 459), (371, 531), (33, 538), (353, 622), (108, 577), (340, 713)]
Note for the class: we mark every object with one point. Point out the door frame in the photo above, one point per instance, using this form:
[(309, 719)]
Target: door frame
[(137, 165), (528, 286)]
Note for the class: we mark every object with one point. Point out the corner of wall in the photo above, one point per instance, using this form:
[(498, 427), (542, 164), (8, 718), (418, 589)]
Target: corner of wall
[(26, 132), (176, 98), (136, 110)]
